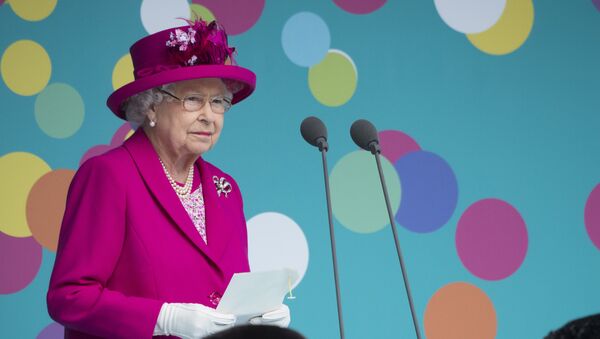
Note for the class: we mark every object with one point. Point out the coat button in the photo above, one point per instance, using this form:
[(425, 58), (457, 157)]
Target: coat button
[(215, 298)]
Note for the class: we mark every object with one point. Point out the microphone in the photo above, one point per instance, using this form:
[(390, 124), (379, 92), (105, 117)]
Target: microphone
[(315, 133), (364, 135)]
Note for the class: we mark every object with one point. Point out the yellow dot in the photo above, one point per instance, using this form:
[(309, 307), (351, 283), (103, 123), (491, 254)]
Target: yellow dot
[(510, 32), (18, 172), (201, 12), (25, 67), (129, 134), (333, 81), (122, 72), (32, 10)]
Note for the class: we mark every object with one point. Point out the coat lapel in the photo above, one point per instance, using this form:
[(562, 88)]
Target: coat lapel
[(218, 226), (150, 169)]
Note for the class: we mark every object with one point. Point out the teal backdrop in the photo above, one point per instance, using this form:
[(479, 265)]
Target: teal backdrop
[(489, 118)]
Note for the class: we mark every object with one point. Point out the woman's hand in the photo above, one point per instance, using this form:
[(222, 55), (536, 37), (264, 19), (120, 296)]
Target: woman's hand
[(191, 321), (280, 317)]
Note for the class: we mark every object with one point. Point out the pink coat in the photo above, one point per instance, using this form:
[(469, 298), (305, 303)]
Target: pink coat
[(127, 245)]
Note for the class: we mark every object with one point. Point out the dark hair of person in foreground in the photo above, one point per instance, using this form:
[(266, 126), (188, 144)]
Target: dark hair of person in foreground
[(257, 331), (582, 328)]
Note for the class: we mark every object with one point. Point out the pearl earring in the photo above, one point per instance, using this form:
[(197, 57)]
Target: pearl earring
[(152, 123)]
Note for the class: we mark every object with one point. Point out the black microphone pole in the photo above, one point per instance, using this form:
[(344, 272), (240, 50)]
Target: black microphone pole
[(364, 135), (332, 238), (315, 133)]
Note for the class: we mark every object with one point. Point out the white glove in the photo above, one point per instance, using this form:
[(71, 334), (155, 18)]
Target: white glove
[(280, 317), (191, 321)]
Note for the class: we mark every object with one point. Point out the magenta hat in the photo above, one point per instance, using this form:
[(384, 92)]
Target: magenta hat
[(196, 51)]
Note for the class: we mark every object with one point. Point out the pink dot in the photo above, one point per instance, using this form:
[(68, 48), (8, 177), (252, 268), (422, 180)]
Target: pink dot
[(20, 260), (120, 134), (359, 6), (236, 16), (395, 144), (94, 151), (597, 4), (52, 331), (591, 216), (491, 239)]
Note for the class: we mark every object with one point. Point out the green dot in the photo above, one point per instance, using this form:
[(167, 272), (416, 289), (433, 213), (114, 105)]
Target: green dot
[(201, 12), (356, 195), (59, 110), (333, 80)]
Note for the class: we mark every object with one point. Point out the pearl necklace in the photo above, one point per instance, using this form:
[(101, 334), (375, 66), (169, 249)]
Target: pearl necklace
[(187, 187)]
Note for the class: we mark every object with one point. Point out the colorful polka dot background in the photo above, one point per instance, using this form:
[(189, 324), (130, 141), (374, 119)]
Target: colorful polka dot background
[(489, 125)]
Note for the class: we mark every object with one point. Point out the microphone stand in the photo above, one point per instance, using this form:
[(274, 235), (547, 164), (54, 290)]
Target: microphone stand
[(375, 149), (323, 149)]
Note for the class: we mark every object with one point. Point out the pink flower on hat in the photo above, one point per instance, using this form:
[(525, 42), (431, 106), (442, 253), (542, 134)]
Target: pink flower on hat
[(192, 60), (182, 39), (203, 44)]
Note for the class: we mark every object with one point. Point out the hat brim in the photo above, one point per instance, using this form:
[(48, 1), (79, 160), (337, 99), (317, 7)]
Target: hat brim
[(236, 73)]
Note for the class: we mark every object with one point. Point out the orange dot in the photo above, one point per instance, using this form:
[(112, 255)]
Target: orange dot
[(460, 311), (46, 205)]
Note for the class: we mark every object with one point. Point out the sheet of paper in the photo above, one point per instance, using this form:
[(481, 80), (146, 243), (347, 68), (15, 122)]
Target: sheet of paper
[(255, 293)]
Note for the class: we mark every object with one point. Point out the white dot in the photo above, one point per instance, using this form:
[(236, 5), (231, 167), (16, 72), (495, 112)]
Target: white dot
[(275, 241), (158, 15), (470, 16)]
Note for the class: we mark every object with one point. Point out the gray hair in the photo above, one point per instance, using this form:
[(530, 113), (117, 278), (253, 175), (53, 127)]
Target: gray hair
[(137, 106)]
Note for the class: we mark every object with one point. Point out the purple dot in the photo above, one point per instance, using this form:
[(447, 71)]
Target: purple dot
[(592, 216), (395, 144), (429, 191), (359, 6), (597, 4), (491, 239), (20, 260), (52, 331), (236, 16), (94, 151)]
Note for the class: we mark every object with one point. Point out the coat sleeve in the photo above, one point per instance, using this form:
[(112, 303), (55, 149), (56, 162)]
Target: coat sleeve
[(91, 237)]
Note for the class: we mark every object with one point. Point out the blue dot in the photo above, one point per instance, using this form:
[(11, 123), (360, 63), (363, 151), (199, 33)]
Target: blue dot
[(429, 191), (305, 39)]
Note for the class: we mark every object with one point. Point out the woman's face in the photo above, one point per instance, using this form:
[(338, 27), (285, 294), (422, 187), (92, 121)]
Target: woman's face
[(183, 132)]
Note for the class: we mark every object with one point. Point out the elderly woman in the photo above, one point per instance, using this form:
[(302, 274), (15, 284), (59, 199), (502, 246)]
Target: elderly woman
[(152, 233)]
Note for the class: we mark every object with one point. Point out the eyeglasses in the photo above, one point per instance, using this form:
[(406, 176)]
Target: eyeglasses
[(193, 103)]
